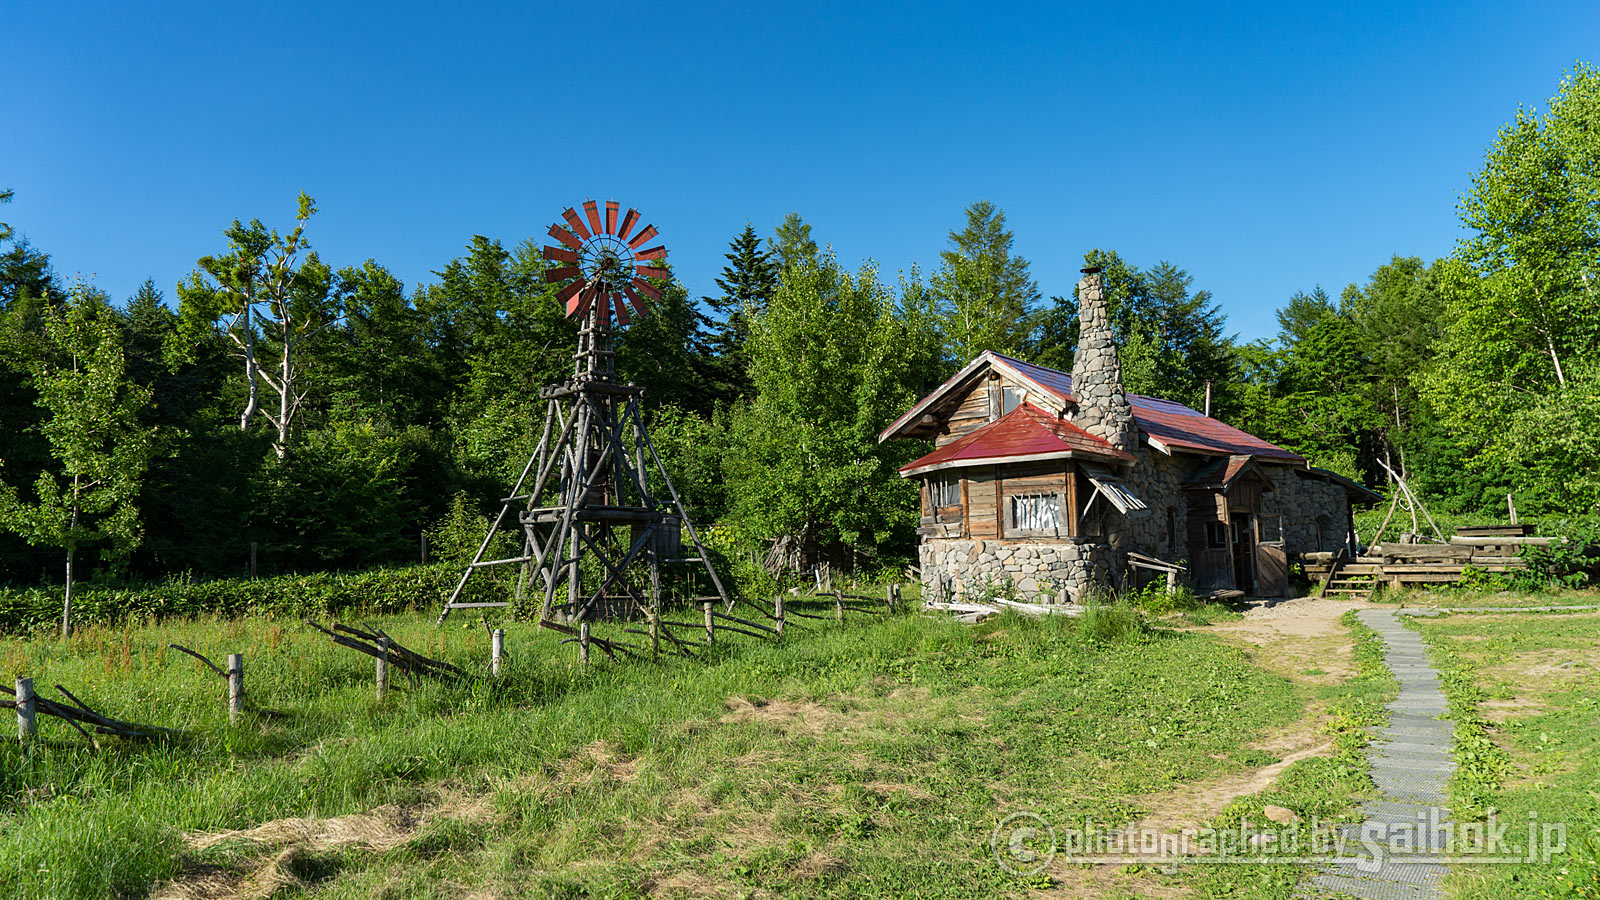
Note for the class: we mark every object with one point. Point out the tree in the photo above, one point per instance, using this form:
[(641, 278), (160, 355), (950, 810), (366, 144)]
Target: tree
[(99, 447), (834, 358), (792, 243), (985, 292), (261, 284), (1302, 312), (747, 283)]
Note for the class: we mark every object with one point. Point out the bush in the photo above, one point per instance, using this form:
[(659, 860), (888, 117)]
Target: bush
[(287, 596), (1574, 562)]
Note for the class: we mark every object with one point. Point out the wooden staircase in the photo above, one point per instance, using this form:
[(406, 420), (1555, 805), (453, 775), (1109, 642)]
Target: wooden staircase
[(1351, 579)]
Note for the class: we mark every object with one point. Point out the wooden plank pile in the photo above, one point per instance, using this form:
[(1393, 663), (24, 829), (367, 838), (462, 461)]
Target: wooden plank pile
[(1485, 548)]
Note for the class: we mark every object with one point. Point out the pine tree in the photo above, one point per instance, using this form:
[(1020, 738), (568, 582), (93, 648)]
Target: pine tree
[(985, 292), (747, 283), (792, 243)]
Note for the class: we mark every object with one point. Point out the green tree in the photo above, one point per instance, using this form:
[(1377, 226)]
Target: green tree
[(834, 358), (792, 243), (985, 291), (99, 447), (747, 283), (262, 285)]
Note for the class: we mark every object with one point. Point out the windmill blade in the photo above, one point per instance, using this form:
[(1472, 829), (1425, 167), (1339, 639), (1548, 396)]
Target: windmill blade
[(565, 237), (645, 235), (628, 221), (571, 215), (593, 212), (638, 305), (568, 296), (645, 288), (657, 252), (561, 254), (553, 276), (611, 216), (622, 311), (652, 272)]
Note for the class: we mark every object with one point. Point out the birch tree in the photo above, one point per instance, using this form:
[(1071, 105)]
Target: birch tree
[(100, 450), (270, 304)]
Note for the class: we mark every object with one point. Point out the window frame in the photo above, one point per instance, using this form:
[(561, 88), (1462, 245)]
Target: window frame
[(1012, 503), (1214, 528)]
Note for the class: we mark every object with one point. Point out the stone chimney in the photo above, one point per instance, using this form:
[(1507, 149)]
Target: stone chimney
[(1103, 408)]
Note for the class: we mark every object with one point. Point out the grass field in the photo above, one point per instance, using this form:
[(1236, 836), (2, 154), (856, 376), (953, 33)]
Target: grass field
[(871, 759), (1525, 692)]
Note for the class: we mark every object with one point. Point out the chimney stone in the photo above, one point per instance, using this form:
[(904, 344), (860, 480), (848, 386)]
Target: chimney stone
[(1103, 408)]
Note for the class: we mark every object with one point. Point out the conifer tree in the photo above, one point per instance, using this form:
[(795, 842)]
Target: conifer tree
[(747, 282)]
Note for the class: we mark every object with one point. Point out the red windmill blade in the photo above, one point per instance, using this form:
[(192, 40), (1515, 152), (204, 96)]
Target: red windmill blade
[(602, 263)]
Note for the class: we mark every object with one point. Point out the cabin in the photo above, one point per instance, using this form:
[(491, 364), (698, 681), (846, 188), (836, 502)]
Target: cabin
[(1054, 483)]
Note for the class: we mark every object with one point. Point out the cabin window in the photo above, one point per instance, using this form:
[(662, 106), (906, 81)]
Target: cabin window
[(1271, 529), (1010, 399), (944, 491), (1216, 536), (1036, 512), (1172, 529)]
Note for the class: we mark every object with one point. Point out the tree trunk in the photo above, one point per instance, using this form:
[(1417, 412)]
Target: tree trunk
[(249, 369), (66, 604), (285, 387)]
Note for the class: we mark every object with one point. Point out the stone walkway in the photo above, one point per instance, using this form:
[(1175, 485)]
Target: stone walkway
[(1410, 764)]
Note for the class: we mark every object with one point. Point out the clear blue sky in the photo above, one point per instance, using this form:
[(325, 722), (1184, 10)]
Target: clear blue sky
[(1266, 148)]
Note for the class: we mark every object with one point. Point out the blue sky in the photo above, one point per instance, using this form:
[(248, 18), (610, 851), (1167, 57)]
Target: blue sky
[(1266, 148)]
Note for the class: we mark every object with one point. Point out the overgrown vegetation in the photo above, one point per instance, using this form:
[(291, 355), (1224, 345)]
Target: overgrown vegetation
[(1522, 689), (832, 763)]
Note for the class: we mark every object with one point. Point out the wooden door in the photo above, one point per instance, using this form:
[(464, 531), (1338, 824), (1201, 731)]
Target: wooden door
[(1243, 536), (1272, 571), (1207, 525)]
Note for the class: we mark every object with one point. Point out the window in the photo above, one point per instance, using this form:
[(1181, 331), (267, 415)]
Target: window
[(1010, 399), (944, 491), (1216, 536), (1172, 529), (1271, 529), (1036, 512)]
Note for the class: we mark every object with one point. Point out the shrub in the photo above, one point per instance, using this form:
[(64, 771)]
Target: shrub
[(288, 596)]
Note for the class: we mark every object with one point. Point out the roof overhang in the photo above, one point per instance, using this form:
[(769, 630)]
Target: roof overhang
[(1357, 492), (993, 461), (981, 364)]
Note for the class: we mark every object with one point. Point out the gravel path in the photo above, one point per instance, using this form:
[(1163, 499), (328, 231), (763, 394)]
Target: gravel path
[(1411, 764)]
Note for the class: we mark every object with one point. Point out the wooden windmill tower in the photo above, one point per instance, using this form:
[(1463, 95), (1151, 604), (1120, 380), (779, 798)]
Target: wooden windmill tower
[(585, 495)]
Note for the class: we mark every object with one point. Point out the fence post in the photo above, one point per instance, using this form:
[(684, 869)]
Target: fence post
[(382, 669), (838, 605), (235, 687), (583, 642), (711, 628), (422, 542), (777, 614), (655, 632), (497, 649), (252, 559), (27, 706)]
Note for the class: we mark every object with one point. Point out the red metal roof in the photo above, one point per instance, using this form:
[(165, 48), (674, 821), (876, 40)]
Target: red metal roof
[(1172, 425), (1026, 431)]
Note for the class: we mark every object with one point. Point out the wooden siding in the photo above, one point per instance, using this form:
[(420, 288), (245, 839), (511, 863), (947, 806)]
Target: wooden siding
[(983, 487), (970, 415)]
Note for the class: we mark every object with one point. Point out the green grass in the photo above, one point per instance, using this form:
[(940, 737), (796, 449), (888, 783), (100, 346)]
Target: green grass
[(1450, 597), (1523, 691), (869, 759)]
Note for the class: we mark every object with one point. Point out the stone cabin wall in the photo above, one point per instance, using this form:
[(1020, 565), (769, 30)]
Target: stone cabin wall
[(1314, 517)]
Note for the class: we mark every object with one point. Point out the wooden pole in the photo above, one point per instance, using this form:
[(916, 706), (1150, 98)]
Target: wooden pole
[(711, 628), (583, 642), (27, 707), (253, 559), (235, 687), (497, 650), (1511, 505), (422, 544), (1172, 583), (1208, 399), (655, 632), (382, 667), (838, 605), (777, 615)]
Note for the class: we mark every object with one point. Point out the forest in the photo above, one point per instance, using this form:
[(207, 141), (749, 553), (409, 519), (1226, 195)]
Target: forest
[(324, 413)]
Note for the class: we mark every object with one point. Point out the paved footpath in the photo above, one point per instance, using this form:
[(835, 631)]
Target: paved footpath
[(1410, 764)]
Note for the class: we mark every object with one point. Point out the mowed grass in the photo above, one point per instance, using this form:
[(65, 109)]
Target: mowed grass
[(870, 759), (1452, 597), (1525, 691)]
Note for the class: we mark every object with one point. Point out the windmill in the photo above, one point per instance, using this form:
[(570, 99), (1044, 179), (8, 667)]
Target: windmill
[(585, 494)]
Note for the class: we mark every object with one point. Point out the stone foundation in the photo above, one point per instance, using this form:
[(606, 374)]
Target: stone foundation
[(1037, 570)]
